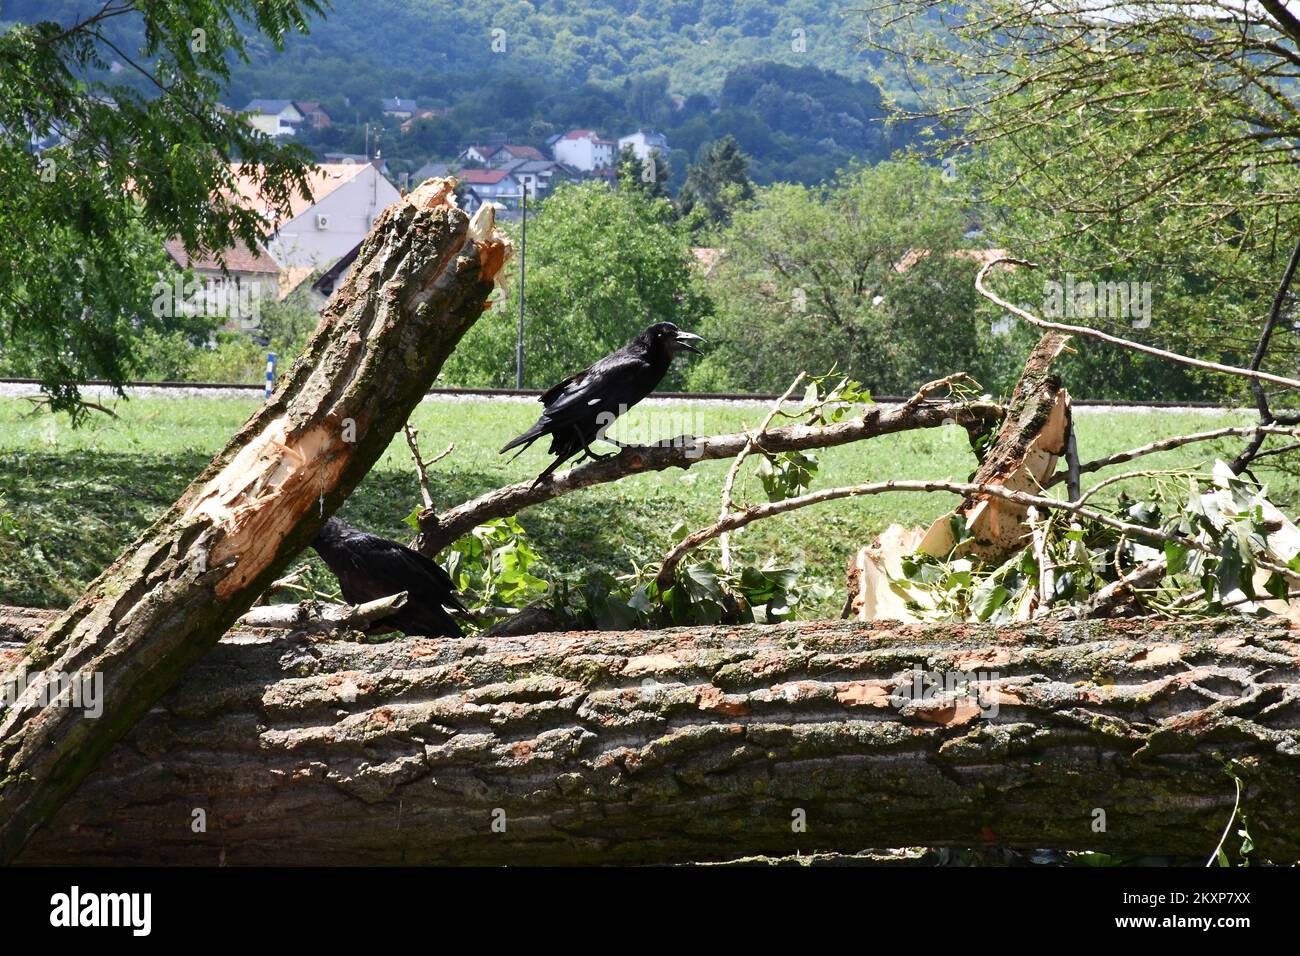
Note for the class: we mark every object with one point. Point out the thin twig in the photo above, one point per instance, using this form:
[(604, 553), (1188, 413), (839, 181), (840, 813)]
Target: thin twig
[(1236, 804), (1249, 453), (738, 519), (421, 466), (926, 390), (1115, 340), (1165, 444), (729, 485)]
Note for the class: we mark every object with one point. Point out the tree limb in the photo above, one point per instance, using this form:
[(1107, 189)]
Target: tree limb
[(876, 420), (421, 280), (702, 743), (311, 617), (738, 519)]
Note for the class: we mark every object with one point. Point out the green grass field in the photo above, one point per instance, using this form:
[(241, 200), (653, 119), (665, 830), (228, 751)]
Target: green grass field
[(71, 500)]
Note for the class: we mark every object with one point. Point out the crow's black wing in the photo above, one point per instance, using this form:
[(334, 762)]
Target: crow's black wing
[(559, 388), (412, 572), (615, 381), (370, 567)]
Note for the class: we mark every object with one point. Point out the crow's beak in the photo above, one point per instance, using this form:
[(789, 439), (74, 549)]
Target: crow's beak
[(684, 340)]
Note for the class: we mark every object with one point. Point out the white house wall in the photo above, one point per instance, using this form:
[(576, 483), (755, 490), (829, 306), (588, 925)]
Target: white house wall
[(351, 209)]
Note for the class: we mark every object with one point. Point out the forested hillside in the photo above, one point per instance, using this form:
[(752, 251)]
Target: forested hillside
[(788, 78)]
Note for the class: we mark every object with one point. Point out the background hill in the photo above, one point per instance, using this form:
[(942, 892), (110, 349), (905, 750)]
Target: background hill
[(788, 78)]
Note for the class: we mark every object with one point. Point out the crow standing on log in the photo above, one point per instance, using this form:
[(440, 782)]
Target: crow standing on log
[(370, 567), (579, 409)]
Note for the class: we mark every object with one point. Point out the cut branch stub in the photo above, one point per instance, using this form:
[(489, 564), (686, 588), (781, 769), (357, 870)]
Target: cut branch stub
[(420, 281)]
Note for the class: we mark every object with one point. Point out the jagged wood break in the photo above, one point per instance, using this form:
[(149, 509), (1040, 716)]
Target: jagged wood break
[(421, 279), (704, 743)]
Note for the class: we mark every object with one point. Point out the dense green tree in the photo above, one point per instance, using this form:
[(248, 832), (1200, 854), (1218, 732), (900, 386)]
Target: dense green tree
[(650, 175), (99, 169), (1150, 150), (718, 182), (602, 264), (865, 274)]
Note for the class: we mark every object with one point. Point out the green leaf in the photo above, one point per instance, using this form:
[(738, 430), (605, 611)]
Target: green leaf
[(987, 598), (1176, 555)]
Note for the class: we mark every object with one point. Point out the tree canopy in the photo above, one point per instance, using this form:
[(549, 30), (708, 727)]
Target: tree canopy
[(100, 171)]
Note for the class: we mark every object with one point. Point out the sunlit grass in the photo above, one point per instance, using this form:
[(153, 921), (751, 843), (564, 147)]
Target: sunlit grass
[(78, 497)]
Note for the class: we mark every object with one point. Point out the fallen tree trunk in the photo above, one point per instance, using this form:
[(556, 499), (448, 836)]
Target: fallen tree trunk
[(420, 280), (703, 743)]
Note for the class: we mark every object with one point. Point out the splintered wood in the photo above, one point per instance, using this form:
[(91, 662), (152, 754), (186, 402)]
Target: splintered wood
[(1033, 436)]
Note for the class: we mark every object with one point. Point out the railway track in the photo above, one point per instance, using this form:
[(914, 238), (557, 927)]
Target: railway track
[(21, 385)]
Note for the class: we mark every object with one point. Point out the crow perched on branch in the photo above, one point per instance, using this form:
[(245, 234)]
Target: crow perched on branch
[(579, 409), (370, 567)]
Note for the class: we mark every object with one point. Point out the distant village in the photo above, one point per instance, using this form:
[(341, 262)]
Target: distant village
[(310, 249)]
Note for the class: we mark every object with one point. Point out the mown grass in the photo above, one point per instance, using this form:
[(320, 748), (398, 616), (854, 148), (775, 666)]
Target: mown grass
[(76, 498)]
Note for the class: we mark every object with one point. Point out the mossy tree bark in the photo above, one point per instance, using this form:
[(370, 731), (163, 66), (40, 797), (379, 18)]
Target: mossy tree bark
[(420, 280), (704, 743)]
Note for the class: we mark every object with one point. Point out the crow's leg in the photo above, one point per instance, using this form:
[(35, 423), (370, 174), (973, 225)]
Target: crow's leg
[(596, 456), (546, 472)]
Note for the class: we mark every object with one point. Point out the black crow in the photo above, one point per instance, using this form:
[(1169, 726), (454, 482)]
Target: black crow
[(370, 567), (579, 409)]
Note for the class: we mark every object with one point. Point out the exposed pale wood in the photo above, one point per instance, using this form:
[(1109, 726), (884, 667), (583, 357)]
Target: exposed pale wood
[(1022, 458), (419, 282)]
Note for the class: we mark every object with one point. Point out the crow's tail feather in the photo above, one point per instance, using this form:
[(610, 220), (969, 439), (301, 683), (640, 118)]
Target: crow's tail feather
[(526, 439)]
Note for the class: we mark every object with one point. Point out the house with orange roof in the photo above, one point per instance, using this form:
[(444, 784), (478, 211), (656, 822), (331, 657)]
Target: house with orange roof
[(306, 238), (345, 199)]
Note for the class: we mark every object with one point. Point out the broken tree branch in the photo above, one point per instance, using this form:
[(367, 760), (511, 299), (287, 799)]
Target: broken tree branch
[(311, 617), (1165, 444), (1243, 460), (738, 519), (876, 420), (421, 279)]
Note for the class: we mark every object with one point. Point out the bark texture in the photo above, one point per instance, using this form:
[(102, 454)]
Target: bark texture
[(420, 280), (703, 743)]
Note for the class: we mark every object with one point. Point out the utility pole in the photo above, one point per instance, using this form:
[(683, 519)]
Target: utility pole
[(523, 246)]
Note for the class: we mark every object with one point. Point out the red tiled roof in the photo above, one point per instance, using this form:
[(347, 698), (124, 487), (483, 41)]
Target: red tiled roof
[(238, 259), (482, 177), (578, 134)]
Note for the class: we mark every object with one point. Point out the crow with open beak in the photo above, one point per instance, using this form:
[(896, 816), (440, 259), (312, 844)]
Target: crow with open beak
[(577, 411)]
